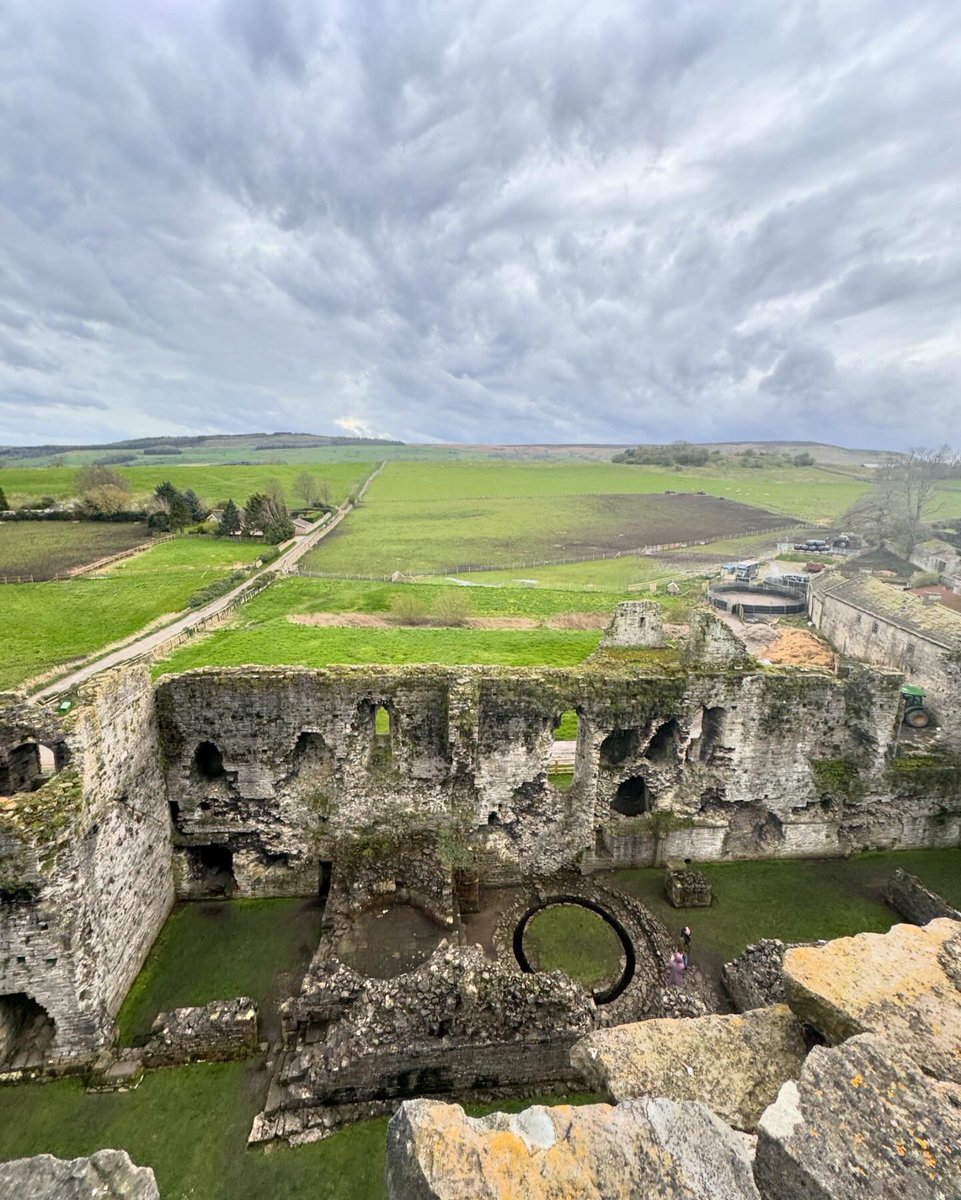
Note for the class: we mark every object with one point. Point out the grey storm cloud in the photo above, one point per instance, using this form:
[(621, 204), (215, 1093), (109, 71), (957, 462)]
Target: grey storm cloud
[(481, 221)]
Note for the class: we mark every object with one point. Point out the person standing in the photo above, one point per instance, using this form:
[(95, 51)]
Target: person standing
[(678, 969)]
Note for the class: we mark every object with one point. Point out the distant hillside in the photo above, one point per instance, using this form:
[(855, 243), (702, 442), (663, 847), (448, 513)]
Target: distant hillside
[(219, 441)]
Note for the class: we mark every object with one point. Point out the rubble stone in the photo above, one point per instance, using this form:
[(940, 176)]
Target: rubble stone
[(636, 623), (657, 1149), (216, 1032), (733, 1064), (908, 896), (685, 888), (106, 1175)]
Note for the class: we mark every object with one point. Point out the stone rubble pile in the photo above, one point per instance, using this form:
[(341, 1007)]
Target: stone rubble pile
[(216, 1032)]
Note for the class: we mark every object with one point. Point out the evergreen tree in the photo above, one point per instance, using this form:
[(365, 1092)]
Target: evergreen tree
[(3, 500), (229, 521), (198, 510), (255, 513)]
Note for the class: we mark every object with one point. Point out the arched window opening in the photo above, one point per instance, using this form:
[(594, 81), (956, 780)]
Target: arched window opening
[(566, 726), (617, 746), (381, 748), (211, 870), (712, 730), (310, 753), (664, 742), (209, 761), (633, 797), (26, 1032)]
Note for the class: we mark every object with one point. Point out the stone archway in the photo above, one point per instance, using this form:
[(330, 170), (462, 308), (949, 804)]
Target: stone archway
[(26, 1032)]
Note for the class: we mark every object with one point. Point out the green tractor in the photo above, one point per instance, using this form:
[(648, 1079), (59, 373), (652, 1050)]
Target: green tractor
[(915, 714)]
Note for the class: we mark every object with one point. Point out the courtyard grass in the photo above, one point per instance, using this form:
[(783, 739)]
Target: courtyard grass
[(52, 624), (213, 950), (566, 937), (47, 548), (794, 900), (191, 1125)]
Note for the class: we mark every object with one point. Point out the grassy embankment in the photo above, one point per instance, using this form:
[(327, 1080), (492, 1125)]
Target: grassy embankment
[(47, 548)]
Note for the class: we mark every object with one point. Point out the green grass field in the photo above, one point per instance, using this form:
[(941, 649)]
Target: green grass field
[(50, 624), (575, 940), (213, 482), (211, 951), (47, 548), (261, 633), (426, 518), (277, 643), (794, 900)]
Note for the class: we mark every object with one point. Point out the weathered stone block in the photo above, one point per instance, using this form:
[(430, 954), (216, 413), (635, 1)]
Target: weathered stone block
[(215, 1032), (652, 1148), (713, 643), (106, 1175), (685, 888), (908, 896), (862, 1123), (904, 985), (733, 1064)]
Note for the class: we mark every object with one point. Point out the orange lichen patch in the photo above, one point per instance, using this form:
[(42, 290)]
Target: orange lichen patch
[(857, 1081)]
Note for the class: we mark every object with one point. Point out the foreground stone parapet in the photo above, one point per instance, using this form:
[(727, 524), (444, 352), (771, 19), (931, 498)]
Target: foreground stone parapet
[(862, 1123), (733, 1064), (216, 1032), (904, 985), (652, 1148), (106, 1175)]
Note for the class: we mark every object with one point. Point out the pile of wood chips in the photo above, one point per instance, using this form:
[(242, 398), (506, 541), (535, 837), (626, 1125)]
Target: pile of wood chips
[(799, 648)]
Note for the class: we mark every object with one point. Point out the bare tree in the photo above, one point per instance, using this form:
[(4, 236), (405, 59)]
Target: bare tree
[(275, 490), (913, 478), (306, 488)]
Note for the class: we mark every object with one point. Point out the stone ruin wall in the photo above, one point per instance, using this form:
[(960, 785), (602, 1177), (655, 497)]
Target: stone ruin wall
[(85, 878), (732, 764), (296, 786)]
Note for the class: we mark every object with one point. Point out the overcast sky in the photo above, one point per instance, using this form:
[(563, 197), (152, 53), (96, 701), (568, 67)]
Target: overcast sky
[(481, 221)]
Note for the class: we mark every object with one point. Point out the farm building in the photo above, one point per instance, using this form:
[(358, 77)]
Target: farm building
[(882, 624), (940, 558)]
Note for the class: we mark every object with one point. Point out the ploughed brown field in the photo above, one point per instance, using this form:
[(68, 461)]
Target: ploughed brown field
[(44, 549)]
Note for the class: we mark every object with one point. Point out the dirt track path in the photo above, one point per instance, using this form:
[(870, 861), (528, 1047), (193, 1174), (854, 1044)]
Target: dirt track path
[(148, 644)]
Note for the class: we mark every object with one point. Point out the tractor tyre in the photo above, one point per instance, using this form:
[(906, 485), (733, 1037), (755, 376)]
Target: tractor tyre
[(917, 718)]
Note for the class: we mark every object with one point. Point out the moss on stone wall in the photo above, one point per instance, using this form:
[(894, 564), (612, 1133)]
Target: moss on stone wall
[(925, 775), (839, 778)]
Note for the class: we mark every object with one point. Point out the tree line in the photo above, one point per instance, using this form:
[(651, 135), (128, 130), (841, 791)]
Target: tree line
[(103, 493)]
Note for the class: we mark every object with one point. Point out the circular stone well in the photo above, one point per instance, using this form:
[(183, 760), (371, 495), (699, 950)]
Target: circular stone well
[(588, 945)]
